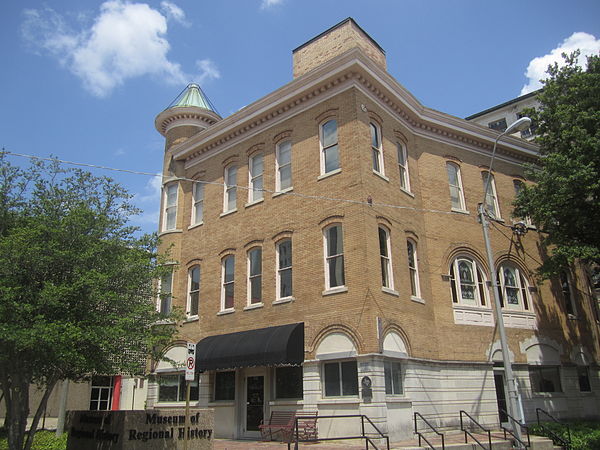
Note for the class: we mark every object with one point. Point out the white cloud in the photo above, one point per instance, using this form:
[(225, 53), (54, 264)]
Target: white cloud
[(149, 202), (208, 69), (126, 40), (270, 3), (536, 70)]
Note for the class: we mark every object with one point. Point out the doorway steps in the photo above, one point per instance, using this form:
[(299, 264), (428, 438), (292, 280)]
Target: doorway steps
[(455, 440)]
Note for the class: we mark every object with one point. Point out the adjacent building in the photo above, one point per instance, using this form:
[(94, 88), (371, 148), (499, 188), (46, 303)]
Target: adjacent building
[(327, 257)]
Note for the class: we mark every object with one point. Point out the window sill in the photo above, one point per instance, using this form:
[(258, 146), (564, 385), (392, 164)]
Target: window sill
[(174, 404), (163, 233), (284, 300), (192, 319), (255, 202), (285, 191), (196, 225), (410, 194), (328, 174), (225, 312), (390, 291), (382, 176), (254, 306), (339, 401), (460, 211), (221, 403), (335, 290), (286, 402), (226, 213), (417, 299), (572, 317)]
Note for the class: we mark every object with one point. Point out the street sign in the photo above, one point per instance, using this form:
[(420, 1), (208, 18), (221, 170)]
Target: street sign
[(190, 362)]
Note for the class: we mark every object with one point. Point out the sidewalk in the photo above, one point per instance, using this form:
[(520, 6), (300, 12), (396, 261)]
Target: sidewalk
[(228, 444)]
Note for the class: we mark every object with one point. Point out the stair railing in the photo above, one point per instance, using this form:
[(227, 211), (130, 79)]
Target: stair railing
[(421, 435), (551, 434), (485, 430), (523, 427)]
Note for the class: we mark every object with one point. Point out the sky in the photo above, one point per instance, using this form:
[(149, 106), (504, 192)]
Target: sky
[(83, 80)]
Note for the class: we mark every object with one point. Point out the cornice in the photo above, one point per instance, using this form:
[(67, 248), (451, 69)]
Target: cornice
[(184, 115)]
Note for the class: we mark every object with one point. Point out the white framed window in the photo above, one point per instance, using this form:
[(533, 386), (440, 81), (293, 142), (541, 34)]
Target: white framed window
[(334, 256), (228, 283), (170, 206), (165, 296), (256, 167), (283, 164), (514, 288), (284, 269), (255, 276), (193, 299), (468, 282), (385, 258), (172, 388), (491, 199), (519, 186), (197, 203), (376, 148), (413, 268), (393, 377), (340, 378), (403, 166), (567, 293), (330, 155), (101, 393), (457, 197), (230, 192)]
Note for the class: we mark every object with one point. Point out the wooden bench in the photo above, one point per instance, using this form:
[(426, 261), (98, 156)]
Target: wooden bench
[(280, 423), (307, 425)]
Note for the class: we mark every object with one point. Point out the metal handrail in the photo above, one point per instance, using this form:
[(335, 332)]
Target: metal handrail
[(362, 436), (555, 437), (418, 433), (489, 432), (522, 425)]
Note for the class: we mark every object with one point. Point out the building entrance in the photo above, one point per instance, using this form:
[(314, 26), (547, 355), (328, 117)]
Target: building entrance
[(255, 404), (500, 396)]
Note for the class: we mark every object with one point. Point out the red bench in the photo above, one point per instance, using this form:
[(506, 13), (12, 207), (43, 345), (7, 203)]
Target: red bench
[(280, 423)]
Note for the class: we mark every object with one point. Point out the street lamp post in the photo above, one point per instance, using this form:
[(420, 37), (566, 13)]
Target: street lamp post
[(510, 382)]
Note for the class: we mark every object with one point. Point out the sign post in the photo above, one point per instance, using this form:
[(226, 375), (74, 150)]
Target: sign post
[(190, 373)]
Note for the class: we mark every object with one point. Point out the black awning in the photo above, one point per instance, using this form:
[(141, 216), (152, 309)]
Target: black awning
[(272, 346)]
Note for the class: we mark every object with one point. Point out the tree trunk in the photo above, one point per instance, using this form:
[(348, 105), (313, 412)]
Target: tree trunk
[(40, 410), (16, 393)]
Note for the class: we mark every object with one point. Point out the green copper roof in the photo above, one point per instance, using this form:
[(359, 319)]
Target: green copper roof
[(192, 95)]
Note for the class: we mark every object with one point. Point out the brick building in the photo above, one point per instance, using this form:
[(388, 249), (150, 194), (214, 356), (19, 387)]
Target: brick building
[(329, 258)]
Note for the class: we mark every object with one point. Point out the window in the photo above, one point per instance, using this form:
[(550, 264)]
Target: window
[(255, 276), (197, 203), (565, 285), (170, 202), (288, 382), (468, 282), (284, 269), (583, 376), (255, 193), (228, 282), (230, 189), (225, 385), (193, 291), (529, 132), (519, 186), (393, 377), (514, 289), (102, 392), (403, 166), (413, 269), (165, 294), (341, 378), (283, 162), (334, 257), (172, 388), (385, 258), (330, 156), (376, 150), (456, 191), (544, 379), (491, 201), (498, 125)]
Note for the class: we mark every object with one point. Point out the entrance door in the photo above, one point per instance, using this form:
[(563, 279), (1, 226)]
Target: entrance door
[(501, 396), (255, 403)]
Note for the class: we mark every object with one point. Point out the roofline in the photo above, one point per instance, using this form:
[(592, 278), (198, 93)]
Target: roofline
[(337, 25), (502, 105)]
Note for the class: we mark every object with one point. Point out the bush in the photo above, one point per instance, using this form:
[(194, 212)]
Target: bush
[(584, 435), (44, 440)]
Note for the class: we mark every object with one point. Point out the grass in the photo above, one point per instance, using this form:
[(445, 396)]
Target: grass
[(584, 435), (44, 440)]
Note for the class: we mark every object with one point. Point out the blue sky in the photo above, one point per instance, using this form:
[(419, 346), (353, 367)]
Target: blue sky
[(83, 80)]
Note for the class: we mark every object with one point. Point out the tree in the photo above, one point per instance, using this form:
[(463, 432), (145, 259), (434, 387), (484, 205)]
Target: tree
[(564, 202), (75, 285)]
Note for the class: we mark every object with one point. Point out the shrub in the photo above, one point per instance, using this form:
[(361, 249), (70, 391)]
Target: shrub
[(44, 440), (584, 435)]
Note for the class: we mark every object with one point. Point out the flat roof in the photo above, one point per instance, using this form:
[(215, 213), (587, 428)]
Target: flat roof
[(502, 105)]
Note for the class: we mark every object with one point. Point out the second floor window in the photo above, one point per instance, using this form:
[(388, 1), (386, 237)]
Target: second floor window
[(413, 269), (330, 156), (193, 291), (491, 200), (376, 150), (403, 166), (255, 192), (565, 286), (255, 276), (228, 282), (519, 186), (514, 292), (284, 269), (283, 160), (198, 203), (165, 293), (170, 202), (385, 258), (230, 199), (455, 183), (468, 283), (334, 257)]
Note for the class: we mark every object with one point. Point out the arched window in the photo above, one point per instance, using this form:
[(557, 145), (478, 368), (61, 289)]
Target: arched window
[(230, 192), (193, 291), (468, 282), (255, 178), (197, 203), (334, 256), (491, 199), (330, 156), (385, 256), (376, 148), (456, 190), (403, 166), (284, 269), (255, 276), (514, 288), (227, 283), (565, 285), (170, 206), (413, 268), (283, 161)]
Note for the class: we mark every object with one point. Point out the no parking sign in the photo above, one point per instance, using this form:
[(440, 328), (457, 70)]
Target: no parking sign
[(190, 362)]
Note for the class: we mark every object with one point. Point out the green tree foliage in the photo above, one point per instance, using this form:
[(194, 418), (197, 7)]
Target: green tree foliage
[(565, 201), (76, 285)]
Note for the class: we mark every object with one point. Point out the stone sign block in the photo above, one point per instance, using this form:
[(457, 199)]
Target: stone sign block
[(163, 429)]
